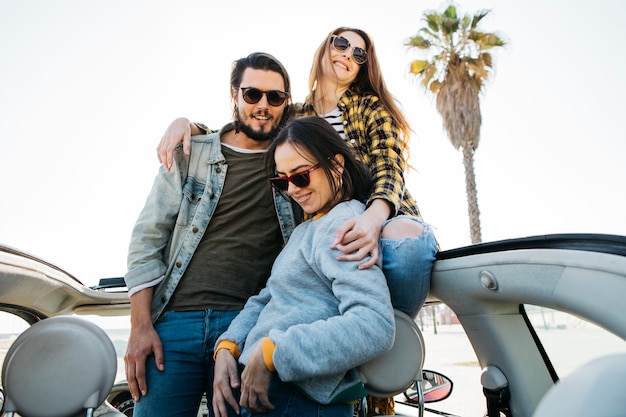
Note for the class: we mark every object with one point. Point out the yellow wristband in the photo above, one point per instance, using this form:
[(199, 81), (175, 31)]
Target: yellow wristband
[(230, 346), (268, 347)]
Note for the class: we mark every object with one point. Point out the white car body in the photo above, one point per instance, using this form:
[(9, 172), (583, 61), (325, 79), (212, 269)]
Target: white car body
[(492, 290)]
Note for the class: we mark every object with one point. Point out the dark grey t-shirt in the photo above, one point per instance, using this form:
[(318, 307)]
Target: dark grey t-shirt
[(235, 256)]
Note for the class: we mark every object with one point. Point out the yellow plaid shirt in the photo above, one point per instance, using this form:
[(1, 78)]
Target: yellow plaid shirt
[(373, 133)]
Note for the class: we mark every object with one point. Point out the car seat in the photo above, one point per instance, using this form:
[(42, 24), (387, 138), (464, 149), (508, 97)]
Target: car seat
[(594, 389), (59, 367), (395, 370)]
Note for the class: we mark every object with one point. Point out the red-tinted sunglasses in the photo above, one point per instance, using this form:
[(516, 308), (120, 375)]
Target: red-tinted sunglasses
[(299, 179)]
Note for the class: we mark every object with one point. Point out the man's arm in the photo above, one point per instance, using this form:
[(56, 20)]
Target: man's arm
[(143, 341)]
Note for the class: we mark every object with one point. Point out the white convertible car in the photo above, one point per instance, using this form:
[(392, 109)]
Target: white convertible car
[(543, 318)]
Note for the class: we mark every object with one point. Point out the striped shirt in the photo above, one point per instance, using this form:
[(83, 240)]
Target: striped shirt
[(334, 119)]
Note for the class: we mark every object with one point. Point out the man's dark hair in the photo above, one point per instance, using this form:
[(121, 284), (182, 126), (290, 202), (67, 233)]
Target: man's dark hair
[(259, 61)]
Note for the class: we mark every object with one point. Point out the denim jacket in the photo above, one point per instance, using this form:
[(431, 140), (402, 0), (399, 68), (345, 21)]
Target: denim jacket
[(176, 215)]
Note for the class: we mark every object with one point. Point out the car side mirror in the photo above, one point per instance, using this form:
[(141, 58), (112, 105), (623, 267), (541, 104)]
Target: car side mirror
[(435, 387)]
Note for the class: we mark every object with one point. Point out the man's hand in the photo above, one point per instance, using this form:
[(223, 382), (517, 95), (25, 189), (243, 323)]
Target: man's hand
[(225, 379), (255, 381), (142, 342), (178, 131)]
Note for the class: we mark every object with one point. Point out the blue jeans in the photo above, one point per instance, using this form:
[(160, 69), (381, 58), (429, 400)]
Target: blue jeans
[(291, 402), (188, 339), (407, 264)]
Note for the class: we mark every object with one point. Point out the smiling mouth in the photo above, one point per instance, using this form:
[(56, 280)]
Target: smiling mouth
[(301, 198), (341, 64), (261, 116)]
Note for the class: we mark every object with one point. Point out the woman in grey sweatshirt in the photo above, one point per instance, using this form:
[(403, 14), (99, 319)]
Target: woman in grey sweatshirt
[(301, 338)]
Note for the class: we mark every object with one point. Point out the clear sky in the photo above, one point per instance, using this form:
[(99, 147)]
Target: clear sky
[(87, 88)]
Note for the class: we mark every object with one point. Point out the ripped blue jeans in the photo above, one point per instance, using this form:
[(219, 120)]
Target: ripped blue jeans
[(407, 264)]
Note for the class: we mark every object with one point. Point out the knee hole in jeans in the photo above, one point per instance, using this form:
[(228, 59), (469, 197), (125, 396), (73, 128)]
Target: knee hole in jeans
[(401, 228)]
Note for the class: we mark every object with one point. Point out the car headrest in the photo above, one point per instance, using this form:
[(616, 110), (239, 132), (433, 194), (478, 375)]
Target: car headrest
[(397, 369), (60, 366), (594, 389)]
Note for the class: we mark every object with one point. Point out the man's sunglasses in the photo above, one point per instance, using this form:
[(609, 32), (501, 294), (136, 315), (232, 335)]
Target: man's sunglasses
[(341, 44), (253, 95), (299, 179)]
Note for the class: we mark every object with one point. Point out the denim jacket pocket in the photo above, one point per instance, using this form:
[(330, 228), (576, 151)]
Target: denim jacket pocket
[(192, 194)]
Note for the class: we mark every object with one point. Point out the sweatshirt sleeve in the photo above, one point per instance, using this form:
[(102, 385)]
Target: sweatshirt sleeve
[(242, 324)]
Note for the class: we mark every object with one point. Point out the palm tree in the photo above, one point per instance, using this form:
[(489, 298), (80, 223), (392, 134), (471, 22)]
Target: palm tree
[(456, 72)]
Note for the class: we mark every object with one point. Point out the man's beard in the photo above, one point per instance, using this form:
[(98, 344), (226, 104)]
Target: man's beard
[(255, 134)]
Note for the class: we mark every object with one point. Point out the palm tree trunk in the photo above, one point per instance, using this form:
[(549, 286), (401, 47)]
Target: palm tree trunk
[(472, 198)]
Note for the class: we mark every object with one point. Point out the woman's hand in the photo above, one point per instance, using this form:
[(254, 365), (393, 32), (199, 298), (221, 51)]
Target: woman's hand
[(179, 131), (255, 383), (359, 237), (225, 379)]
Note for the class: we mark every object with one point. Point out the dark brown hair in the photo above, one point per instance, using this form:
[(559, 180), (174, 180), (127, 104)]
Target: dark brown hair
[(260, 61), (320, 140)]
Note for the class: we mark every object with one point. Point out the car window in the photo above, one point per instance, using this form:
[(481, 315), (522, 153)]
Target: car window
[(10, 328), (118, 330), (449, 351), (570, 341)]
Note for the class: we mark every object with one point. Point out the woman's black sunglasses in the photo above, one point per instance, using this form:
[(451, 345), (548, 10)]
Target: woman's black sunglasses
[(299, 179), (253, 95), (342, 44)]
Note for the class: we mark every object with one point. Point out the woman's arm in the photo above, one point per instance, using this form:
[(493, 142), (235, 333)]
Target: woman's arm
[(379, 142), (179, 131), (382, 150), (242, 324)]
